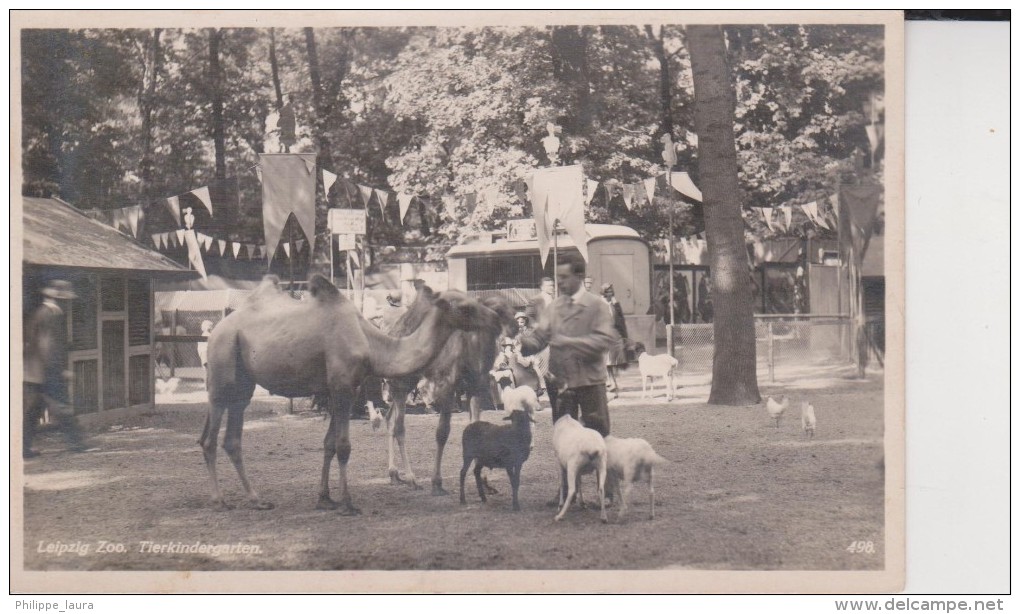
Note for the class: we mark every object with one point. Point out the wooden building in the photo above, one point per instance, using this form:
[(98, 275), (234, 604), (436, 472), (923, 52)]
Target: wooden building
[(110, 331)]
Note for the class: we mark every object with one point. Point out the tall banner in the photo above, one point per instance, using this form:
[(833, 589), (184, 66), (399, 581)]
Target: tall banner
[(288, 186), (557, 196)]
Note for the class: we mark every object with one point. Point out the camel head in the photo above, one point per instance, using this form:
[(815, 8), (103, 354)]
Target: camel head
[(461, 312), (504, 313)]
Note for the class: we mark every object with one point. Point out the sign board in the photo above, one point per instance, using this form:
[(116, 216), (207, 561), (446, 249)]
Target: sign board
[(347, 221), (346, 242), (521, 230)]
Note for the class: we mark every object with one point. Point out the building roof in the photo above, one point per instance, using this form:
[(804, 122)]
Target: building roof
[(57, 234), (595, 232)]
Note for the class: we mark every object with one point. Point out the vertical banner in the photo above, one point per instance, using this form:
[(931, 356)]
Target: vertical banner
[(557, 195), (288, 186)]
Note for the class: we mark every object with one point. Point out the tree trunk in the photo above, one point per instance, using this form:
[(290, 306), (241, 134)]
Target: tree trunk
[(325, 156), (570, 65), (147, 104), (216, 89), (734, 380), (665, 81), (275, 68)]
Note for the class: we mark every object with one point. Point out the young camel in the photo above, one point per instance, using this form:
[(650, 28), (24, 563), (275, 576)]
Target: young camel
[(462, 365), (320, 347)]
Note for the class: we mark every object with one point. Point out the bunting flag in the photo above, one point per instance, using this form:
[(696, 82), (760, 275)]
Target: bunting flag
[(788, 214), (300, 245), (366, 194), (328, 179), (404, 200), (207, 243), (650, 188), (164, 238), (223, 246), (859, 207), (286, 248), (203, 195), (236, 248), (592, 187), (118, 219), (134, 214), (174, 204), (682, 183), (766, 214), (155, 240), (628, 196), (811, 211), (560, 189), (354, 258), (252, 253), (876, 132), (180, 236), (640, 196), (383, 198), (288, 186), (194, 254)]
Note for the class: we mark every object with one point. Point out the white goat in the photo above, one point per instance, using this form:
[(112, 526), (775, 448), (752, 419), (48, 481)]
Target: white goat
[(661, 365), (629, 461), (807, 419), (579, 450)]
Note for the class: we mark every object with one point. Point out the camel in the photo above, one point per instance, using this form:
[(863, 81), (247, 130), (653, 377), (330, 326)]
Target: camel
[(463, 364), (321, 347)]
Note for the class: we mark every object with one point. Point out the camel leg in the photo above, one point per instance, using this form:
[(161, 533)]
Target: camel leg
[(342, 410), (396, 442), (232, 446), (210, 434), (442, 435), (329, 451)]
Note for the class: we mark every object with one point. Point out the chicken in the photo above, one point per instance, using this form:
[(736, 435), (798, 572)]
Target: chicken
[(807, 419), (777, 408), (167, 386)]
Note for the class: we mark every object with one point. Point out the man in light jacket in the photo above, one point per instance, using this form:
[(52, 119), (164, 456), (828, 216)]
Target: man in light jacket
[(578, 330)]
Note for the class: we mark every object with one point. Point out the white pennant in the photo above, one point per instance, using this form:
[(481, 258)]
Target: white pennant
[(203, 195), (683, 183), (300, 245), (766, 214), (132, 214), (174, 203), (164, 239), (788, 214), (328, 179), (405, 203), (155, 240), (383, 198), (236, 248), (592, 187), (180, 236), (650, 189), (286, 249), (223, 246)]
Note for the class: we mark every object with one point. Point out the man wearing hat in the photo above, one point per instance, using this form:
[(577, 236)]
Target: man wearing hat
[(46, 372), (616, 358)]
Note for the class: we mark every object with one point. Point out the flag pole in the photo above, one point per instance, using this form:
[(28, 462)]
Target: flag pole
[(670, 340)]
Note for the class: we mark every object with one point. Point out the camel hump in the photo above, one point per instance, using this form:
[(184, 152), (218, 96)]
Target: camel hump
[(323, 290), (268, 288)]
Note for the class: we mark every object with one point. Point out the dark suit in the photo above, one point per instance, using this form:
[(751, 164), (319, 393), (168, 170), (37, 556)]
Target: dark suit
[(577, 365)]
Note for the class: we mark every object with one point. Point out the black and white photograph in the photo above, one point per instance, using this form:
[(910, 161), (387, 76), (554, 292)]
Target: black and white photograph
[(604, 301)]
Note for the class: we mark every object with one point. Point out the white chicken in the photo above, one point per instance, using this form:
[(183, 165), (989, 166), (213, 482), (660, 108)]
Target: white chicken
[(777, 408), (167, 386), (807, 419)]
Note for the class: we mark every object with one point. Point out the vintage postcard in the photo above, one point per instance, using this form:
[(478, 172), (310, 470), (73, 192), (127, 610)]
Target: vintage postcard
[(346, 302)]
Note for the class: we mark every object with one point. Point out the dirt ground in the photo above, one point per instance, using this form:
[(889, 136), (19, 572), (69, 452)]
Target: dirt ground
[(739, 494)]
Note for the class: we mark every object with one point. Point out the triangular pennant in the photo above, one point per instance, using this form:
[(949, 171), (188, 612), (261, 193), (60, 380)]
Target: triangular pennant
[(300, 245), (208, 243), (811, 211), (592, 186), (875, 134), (650, 188), (174, 204), (366, 194), (834, 202), (222, 245), (252, 253), (628, 195), (788, 214), (133, 214), (328, 179), (354, 258), (383, 197), (164, 240), (117, 218), (286, 248), (236, 248), (640, 196), (180, 236), (309, 164), (194, 253), (683, 183), (203, 195), (766, 214), (155, 240), (404, 200)]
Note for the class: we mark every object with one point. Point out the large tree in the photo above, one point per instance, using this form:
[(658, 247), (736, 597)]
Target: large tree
[(734, 379)]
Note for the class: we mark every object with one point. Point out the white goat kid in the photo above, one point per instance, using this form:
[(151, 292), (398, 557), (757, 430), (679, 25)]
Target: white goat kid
[(630, 460), (660, 365), (579, 450)]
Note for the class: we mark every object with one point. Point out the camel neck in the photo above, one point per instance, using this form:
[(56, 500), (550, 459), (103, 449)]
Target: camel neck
[(393, 357)]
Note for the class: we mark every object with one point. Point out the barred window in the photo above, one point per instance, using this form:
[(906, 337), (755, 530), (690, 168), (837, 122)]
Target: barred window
[(138, 311), (84, 314)]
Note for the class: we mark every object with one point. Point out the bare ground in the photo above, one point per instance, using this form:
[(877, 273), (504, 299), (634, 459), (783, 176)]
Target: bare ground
[(739, 494)]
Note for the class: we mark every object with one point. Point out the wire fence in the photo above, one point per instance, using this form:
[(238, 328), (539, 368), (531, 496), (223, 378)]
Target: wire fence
[(780, 341)]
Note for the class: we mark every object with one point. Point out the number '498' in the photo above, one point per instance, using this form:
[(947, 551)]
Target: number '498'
[(861, 547)]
